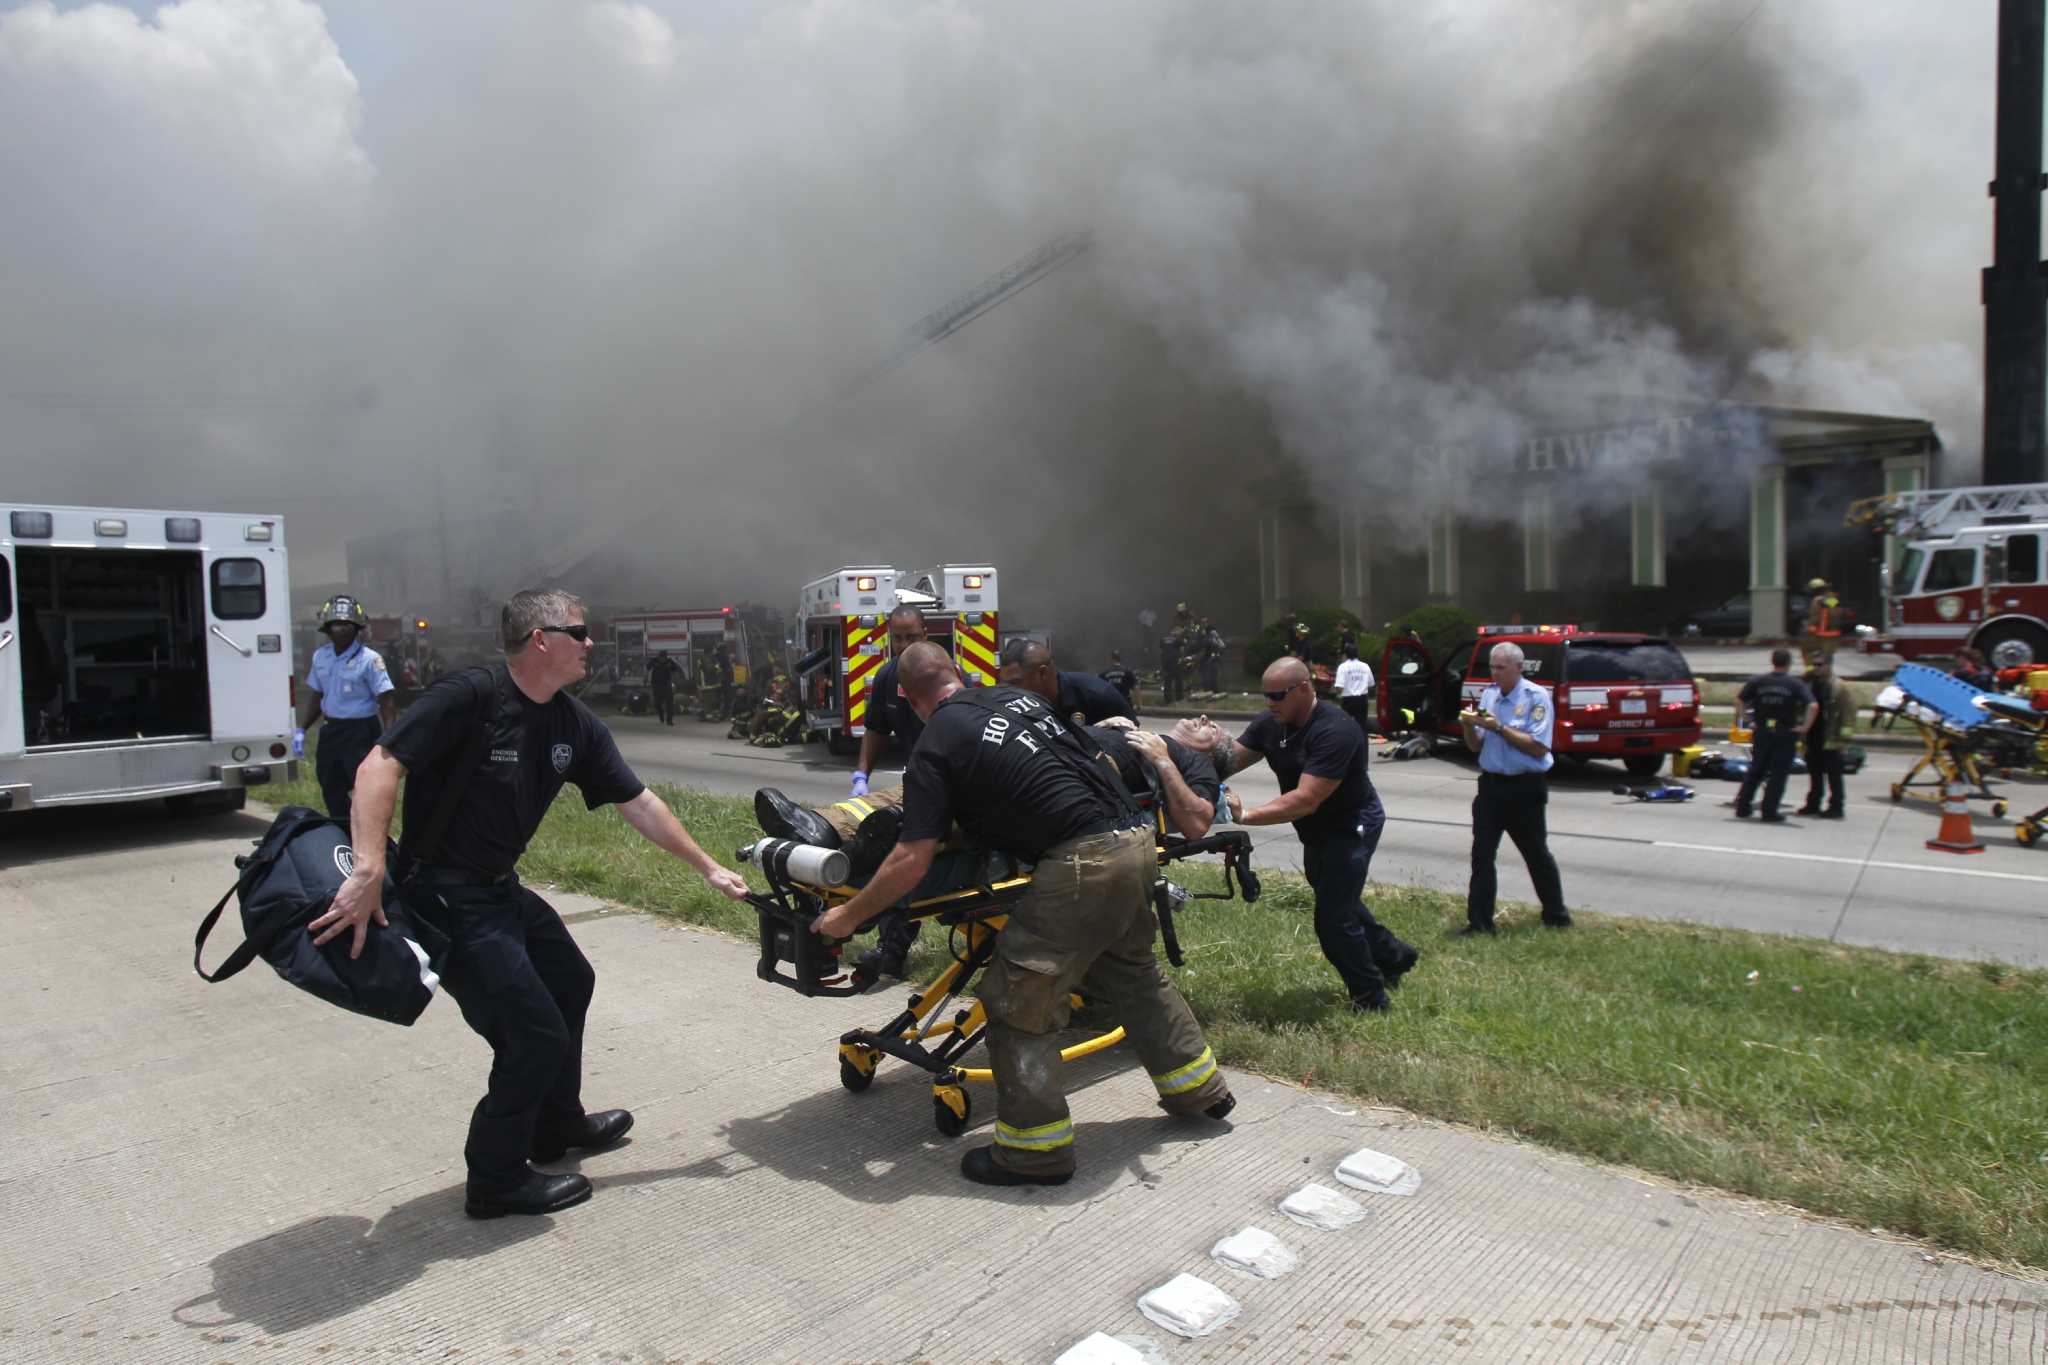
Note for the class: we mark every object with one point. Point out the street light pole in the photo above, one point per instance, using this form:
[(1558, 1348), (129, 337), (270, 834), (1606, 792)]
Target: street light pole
[(2015, 300)]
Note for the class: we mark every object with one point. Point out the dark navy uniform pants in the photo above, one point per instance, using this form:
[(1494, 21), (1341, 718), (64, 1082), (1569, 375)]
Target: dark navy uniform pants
[(1362, 949), (524, 986), (1513, 804), (344, 744), (1770, 763), (665, 705)]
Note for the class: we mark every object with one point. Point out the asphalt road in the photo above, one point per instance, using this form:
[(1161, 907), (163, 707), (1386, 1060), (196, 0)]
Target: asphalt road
[(1868, 879)]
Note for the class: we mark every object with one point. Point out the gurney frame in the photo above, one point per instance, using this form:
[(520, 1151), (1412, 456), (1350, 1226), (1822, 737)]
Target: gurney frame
[(931, 1032)]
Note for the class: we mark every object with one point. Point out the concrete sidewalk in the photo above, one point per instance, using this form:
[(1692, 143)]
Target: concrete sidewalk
[(238, 1173)]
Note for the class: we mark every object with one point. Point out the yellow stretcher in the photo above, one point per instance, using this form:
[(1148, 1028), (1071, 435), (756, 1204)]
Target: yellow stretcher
[(970, 897)]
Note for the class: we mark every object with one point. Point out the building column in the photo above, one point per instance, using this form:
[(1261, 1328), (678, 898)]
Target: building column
[(1276, 554), (1443, 556), (1767, 553), (1539, 542), (1354, 564), (1646, 539), (1902, 474)]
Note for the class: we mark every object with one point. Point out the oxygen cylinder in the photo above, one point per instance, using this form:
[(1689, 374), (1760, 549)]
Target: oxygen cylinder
[(789, 861)]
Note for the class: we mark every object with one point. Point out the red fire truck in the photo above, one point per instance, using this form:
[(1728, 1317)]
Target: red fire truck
[(1974, 572)]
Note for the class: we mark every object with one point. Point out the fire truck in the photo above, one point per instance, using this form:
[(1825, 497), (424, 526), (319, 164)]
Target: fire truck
[(142, 654), (1619, 695), (691, 635), (1974, 572), (843, 627)]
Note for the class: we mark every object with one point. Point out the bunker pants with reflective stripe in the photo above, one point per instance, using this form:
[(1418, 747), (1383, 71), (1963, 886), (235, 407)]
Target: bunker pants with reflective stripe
[(1087, 922)]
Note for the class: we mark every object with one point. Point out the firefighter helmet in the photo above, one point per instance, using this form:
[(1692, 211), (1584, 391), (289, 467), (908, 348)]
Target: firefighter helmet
[(345, 609), (1816, 585)]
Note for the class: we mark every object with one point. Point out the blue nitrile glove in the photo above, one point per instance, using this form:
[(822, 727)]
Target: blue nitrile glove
[(860, 784), (298, 744)]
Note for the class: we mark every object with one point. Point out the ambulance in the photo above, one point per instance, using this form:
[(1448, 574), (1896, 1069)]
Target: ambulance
[(843, 631), (1974, 571), (143, 654)]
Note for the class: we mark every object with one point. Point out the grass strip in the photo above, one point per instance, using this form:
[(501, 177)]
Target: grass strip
[(1892, 1090)]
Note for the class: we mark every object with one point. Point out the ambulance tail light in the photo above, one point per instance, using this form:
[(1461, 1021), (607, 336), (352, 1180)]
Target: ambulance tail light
[(864, 584), (972, 580), (278, 751)]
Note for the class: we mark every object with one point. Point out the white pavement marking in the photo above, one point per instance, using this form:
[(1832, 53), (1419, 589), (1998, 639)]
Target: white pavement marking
[(1845, 862)]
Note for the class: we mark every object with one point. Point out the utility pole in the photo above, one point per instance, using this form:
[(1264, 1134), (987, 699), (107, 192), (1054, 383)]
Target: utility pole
[(2015, 295)]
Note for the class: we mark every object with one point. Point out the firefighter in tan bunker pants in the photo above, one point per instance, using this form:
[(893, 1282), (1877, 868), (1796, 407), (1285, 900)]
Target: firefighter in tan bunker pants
[(1016, 778)]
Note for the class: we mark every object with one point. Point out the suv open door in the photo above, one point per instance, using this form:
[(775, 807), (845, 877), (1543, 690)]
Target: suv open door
[(1408, 680)]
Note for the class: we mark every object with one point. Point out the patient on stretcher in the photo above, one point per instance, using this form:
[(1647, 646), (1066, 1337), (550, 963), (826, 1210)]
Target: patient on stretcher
[(1178, 772)]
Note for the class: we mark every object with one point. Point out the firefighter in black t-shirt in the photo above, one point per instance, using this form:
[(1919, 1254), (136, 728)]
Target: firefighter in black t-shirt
[(1119, 677), (1016, 778), (890, 721), (512, 966), (1080, 697), (661, 678), (1782, 710), (1318, 753)]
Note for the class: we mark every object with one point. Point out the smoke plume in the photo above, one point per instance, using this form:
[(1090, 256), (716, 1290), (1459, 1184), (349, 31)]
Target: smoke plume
[(601, 272)]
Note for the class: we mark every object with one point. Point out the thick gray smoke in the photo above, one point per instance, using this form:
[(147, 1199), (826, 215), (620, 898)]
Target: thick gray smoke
[(597, 273)]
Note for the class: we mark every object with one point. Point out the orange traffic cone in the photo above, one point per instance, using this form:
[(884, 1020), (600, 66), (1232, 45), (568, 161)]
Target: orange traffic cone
[(1955, 835)]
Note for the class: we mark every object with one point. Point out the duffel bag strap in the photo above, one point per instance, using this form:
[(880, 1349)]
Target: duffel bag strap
[(252, 866), (238, 959)]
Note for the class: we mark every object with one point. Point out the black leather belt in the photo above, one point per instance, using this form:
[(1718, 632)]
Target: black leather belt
[(444, 874)]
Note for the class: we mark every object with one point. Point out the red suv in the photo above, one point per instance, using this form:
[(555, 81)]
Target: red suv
[(1622, 695)]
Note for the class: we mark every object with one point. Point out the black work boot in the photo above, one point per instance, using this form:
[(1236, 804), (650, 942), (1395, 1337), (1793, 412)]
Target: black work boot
[(538, 1193), (594, 1132), (980, 1166), (872, 841), (785, 819)]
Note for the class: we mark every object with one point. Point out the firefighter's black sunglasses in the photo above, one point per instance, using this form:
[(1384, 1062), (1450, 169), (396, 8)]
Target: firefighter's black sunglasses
[(578, 633), (1281, 695)]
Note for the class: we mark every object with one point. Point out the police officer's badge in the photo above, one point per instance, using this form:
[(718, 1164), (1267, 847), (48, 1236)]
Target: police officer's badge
[(561, 754)]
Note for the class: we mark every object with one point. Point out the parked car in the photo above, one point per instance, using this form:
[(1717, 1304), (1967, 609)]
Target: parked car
[(1731, 618)]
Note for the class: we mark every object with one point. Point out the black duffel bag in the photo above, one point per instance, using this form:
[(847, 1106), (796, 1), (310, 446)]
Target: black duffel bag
[(286, 884)]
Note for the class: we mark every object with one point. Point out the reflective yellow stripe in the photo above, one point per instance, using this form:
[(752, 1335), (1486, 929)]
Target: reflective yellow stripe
[(855, 806), (1043, 1138), (1187, 1077)]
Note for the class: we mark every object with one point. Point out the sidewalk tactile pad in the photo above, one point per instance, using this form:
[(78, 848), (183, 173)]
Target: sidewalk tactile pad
[(1319, 1206), (1189, 1306), (1255, 1251), (1378, 1173)]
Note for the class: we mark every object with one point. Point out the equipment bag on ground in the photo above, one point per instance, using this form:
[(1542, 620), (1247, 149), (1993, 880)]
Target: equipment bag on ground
[(286, 884)]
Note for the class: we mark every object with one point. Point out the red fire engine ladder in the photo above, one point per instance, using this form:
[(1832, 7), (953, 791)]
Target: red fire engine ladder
[(1940, 511)]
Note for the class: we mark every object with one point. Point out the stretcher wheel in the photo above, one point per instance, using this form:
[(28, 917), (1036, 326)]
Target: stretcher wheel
[(2028, 833), (1898, 792), (950, 1108), (1998, 810), (855, 1077)]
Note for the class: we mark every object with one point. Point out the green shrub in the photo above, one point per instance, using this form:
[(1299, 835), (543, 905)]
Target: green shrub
[(1325, 625)]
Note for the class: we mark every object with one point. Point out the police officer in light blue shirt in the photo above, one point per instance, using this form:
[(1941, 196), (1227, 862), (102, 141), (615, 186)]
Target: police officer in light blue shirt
[(348, 686), (1510, 731)]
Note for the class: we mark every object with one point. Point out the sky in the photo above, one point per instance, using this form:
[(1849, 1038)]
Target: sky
[(606, 270)]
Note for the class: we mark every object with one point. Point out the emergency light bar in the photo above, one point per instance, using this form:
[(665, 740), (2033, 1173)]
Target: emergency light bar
[(1529, 630)]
